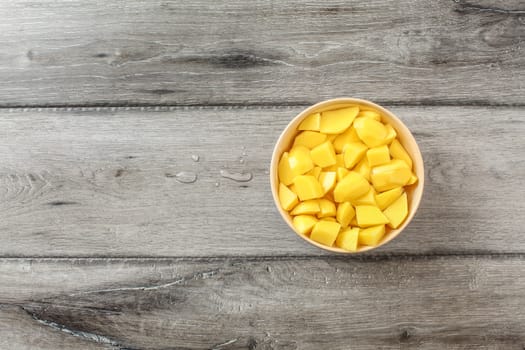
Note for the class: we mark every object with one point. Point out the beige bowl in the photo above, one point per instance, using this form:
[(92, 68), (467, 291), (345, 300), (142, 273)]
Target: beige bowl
[(404, 135)]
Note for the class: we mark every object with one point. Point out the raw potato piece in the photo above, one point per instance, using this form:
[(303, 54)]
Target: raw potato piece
[(369, 215), (300, 160), (370, 131), (325, 232), (368, 199), (378, 155), (345, 213), (363, 168), (397, 211), (412, 180), (351, 187), (348, 239), (307, 187), (398, 151), (286, 174), (287, 198), (391, 134), (339, 163), (327, 181), (327, 208), (315, 172), (337, 121), (372, 235), (323, 155), (306, 208), (353, 152), (304, 223), (312, 122), (384, 199), (309, 139), (391, 175), (341, 173), (345, 138), (369, 114)]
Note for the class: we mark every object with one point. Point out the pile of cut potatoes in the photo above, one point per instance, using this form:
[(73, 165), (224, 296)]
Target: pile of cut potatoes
[(343, 180)]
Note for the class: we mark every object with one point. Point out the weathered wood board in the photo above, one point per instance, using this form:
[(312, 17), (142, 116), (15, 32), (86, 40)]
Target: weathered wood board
[(315, 303), (239, 52), (100, 182)]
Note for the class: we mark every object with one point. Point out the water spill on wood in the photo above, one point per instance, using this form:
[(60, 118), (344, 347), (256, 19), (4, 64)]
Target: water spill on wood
[(239, 177), (186, 177)]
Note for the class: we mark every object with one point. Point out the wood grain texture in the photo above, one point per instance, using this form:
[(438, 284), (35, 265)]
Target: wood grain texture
[(237, 52), (101, 182), (317, 303)]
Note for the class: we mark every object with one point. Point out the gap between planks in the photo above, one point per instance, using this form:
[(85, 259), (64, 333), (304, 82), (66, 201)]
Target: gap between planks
[(262, 105), (262, 258)]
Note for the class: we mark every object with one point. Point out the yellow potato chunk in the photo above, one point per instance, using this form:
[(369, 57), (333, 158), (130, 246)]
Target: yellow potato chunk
[(397, 211), (315, 172), (312, 122), (368, 199), (337, 121), (327, 181), (325, 232), (372, 235), (378, 155), (369, 215), (345, 138), (384, 199), (353, 153), (391, 175), (345, 213), (323, 155), (331, 137), (287, 198), (412, 180), (370, 131), (369, 114), (340, 163), (285, 173), (363, 168), (398, 152), (341, 172), (309, 139), (351, 187), (391, 134), (307, 187), (306, 208), (300, 160), (348, 239), (304, 223), (327, 208)]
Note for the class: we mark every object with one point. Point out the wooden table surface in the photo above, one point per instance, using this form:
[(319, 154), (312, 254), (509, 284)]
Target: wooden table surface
[(106, 243)]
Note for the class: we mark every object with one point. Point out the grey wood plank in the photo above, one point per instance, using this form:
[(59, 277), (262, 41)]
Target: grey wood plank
[(100, 182), (20, 331), (210, 52), (314, 303)]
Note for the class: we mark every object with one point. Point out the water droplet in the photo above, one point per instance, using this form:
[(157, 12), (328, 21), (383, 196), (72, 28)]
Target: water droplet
[(267, 172), (186, 177), (216, 184), (243, 153), (195, 157), (241, 160), (239, 177)]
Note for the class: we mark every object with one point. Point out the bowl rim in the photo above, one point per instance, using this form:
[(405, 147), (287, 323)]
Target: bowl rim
[(418, 163)]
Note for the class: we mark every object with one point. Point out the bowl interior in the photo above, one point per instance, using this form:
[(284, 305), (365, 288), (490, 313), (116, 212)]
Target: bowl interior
[(414, 192)]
